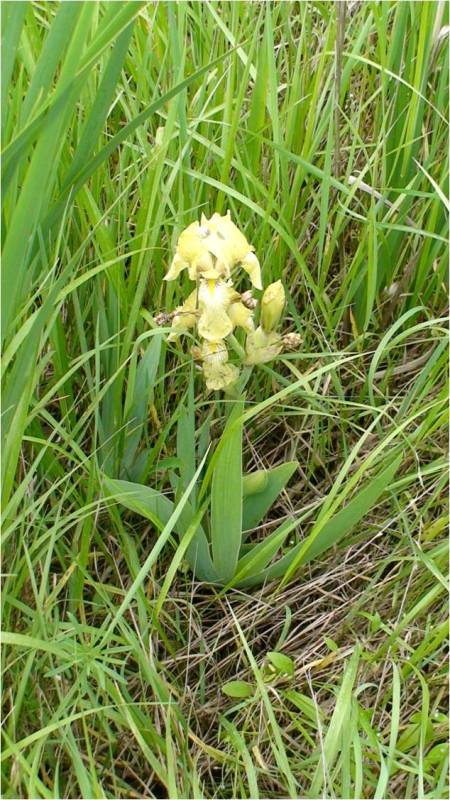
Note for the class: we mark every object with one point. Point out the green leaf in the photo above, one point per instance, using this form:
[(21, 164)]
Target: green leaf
[(304, 704), (339, 719), (257, 505), (158, 509), (238, 689), (37, 184), (346, 519), (53, 48), (186, 437), (125, 134), (13, 15), (282, 664), (143, 390), (333, 530), (101, 105), (226, 498), (151, 559), (261, 554)]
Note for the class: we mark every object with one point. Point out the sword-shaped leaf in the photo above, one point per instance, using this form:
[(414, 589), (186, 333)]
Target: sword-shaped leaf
[(158, 509), (226, 498)]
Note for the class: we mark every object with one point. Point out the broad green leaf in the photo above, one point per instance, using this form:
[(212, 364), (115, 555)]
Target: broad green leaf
[(143, 500), (180, 553), (238, 689), (282, 663), (226, 498), (158, 509), (257, 505), (151, 558), (346, 519)]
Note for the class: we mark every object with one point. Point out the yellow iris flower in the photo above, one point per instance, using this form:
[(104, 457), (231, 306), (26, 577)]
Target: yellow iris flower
[(211, 248), (216, 308)]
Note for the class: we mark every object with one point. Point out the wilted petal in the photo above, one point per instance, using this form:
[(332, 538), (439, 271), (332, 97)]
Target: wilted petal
[(292, 341)]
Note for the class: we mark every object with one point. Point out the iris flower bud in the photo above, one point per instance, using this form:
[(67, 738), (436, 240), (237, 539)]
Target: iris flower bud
[(272, 305)]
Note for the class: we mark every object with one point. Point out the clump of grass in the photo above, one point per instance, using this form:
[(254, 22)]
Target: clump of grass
[(325, 134)]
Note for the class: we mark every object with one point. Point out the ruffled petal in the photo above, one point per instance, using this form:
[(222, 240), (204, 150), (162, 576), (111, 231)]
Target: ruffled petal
[(214, 353), (191, 242), (221, 377), (214, 324), (212, 248), (216, 294), (236, 244)]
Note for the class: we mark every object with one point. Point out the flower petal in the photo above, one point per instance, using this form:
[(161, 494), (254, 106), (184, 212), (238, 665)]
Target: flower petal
[(214, 324), (241, 316), (252, 267), (214, 353), (175, 268), (190, 245), (185, 317), (221, 377)]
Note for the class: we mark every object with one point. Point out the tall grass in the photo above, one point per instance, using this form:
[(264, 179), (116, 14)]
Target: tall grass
[(323, 128)]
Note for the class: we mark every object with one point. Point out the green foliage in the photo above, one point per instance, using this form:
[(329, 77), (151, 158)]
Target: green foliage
[(237, 502), (327, 138), (238, 689)]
